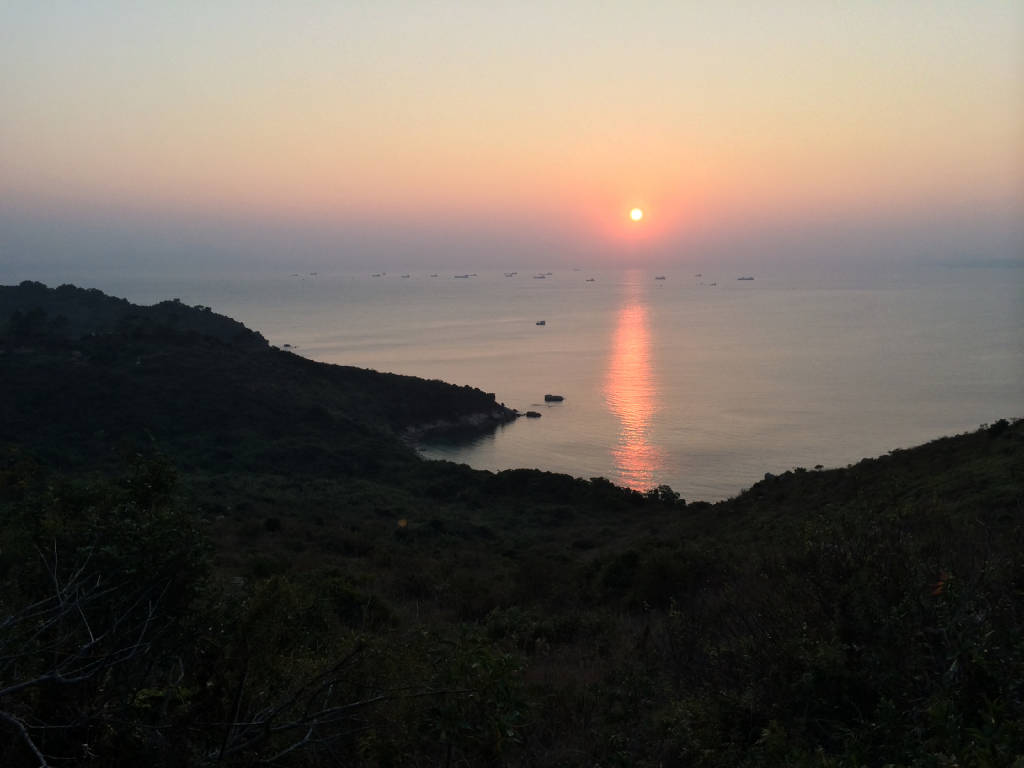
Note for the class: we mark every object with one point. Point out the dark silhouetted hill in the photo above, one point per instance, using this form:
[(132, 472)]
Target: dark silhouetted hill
[(86, 374), (214, 552)]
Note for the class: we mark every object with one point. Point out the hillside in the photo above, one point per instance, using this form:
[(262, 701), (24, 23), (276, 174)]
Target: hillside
[(215, 552), (90, 375)]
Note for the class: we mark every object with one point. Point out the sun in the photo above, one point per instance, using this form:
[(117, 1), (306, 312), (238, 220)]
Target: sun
[(636, 214)]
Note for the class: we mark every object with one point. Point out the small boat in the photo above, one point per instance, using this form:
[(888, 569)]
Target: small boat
[(404, 275), (590, 279), (553, 398), (375, 274), (744, 278), (542, 322), (461, 277), (659, 277), (540, 277), (434, 274)]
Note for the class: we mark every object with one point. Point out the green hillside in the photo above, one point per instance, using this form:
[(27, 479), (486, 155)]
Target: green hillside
[(213, 552)]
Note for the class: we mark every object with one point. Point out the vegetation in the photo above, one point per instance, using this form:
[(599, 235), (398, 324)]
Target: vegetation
[(217, 553)]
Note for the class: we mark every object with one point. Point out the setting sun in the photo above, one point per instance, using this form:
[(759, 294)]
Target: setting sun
[(636, 214)]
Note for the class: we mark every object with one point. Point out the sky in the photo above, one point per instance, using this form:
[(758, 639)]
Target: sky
[(476, 133)]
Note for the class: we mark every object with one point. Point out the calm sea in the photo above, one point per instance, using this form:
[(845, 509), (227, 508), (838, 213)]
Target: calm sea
[(701, 381)]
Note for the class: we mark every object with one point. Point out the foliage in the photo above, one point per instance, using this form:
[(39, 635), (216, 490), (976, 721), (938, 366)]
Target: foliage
[(212, 552)]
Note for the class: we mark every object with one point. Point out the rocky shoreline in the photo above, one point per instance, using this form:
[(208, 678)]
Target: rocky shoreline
[(466, 427)]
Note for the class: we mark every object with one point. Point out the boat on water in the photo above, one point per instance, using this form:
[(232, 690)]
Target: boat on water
[(590, 280), (542, 322), (659, 277), (404, 275), (553, 398), (461, 277), (744, 278)]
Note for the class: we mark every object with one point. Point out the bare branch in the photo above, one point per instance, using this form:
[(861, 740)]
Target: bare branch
[(53, 641), (23, 732)]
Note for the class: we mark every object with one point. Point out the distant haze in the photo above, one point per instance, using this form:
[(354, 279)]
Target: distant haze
[(187, 135)]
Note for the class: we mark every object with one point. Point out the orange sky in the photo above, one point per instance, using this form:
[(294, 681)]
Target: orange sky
[(550, 122)]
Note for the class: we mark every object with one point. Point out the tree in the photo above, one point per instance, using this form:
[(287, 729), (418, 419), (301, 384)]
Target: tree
[(97, 577), (63, 641)]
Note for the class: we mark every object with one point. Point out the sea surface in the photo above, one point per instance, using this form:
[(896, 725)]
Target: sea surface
[(699, 380)]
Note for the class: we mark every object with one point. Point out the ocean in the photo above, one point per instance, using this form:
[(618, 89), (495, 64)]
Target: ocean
[(685, 376)]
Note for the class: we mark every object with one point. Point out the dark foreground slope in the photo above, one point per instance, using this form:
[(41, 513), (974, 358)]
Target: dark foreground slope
[(235, 560)]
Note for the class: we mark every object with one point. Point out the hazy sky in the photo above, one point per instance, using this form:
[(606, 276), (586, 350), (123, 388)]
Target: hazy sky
[(476, 132)]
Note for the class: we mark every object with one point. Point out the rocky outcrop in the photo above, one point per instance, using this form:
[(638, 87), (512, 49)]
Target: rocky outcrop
[(467, 426)]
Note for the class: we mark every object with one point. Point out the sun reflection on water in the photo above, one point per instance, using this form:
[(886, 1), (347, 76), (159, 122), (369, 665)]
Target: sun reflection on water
[(632, 395)]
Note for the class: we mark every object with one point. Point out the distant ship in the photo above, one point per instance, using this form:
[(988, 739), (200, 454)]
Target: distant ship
[(553, 398), (660, 277), (404, 275), (744, 278), (539, 277), (590, 279), (542, 322)]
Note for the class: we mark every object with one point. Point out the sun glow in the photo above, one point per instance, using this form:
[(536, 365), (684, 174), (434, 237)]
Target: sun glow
[(631, 392), (636, 214)]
